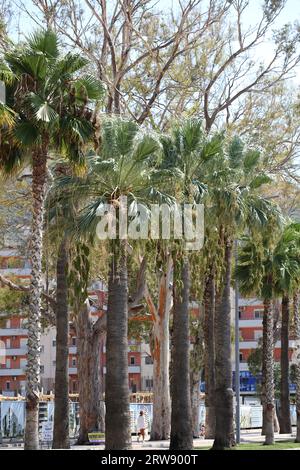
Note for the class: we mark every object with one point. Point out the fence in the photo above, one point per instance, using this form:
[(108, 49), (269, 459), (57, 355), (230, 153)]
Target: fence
[(12, 416)]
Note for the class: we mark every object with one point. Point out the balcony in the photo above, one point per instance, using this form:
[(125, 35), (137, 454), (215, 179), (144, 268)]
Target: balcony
[(14, 351), (248, 344), (252, 344), (73, 350), (250, 323), (134, 369), (13, 332), (72, 370), (11, 372), (15, 271), (131, 369)]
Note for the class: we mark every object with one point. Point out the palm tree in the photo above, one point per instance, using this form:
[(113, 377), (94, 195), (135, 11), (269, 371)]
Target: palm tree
[(256, 276), (286, 268), (237, 207), (185, 150), (124, 168), (48, 108)]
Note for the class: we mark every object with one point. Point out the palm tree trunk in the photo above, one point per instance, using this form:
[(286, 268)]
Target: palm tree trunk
[(83, 333), (160, 351), (224, 435), (181, 414), (117, 419), (297, 355), (209, 356), (61, 438), (39, 175), (285, 416), (91, 405), (268, 370), (196, 366), (195, 378)]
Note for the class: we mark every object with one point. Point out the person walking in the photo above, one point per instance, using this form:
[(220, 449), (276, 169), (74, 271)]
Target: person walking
[(141, 426)]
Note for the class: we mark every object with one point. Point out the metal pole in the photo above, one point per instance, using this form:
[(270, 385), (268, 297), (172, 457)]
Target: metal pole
[(237, 354)]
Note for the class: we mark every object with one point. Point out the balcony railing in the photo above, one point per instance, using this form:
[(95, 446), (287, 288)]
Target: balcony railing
[(13, 332), (11, 372), (15, 351)]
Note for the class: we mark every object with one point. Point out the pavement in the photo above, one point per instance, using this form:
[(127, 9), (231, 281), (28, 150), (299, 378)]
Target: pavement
[(247, 436)]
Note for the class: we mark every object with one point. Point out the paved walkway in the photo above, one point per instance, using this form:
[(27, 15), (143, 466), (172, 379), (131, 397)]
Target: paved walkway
[(246, 437)]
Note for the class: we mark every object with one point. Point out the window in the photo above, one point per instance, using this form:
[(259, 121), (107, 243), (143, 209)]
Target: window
[(258, 313), (148, 360), (74, 386), (241, 357), (8, 324), (73, 361), (53, 363), (42, 369), (23, 323), (258, 334), (149, 384), (7, 363), (54, 343), (74, 341), (42, 348), (132, 360), (7, 385), (23, 363), (133, 387), (15, 263), (8, 343)]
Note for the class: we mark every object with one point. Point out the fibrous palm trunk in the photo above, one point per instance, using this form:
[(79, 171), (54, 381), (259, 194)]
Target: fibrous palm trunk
[(268, 371), (285, 416), (209, 356), (39, 175), (297, 356), (160, 351), (224, 434), (61, 438), (117, 418), (181, 413)]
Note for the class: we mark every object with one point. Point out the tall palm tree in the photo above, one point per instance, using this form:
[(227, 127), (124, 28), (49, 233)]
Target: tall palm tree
[(124, 167), (238, 207), (286, 269), (255, 272), (48, 108), (186, 150)]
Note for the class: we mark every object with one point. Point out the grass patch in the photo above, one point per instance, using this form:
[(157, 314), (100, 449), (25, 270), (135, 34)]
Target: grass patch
[(281, 445)]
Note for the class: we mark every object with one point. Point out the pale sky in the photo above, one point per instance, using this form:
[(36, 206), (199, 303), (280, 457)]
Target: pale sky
[(290, 14)]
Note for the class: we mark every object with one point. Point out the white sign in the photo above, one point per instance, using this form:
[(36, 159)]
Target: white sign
[(47, 431)]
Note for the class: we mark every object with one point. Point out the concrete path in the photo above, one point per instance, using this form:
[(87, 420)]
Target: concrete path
[(246, 437)]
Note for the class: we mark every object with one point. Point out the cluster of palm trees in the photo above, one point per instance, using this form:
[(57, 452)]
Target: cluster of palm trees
[(52, 119)]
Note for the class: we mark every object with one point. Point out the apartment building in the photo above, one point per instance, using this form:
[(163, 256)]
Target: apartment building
[(13, 340), (13, 333), (250, 332)]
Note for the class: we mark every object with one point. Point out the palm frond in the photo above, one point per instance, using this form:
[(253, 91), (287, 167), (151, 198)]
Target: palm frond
[(46, 42)]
